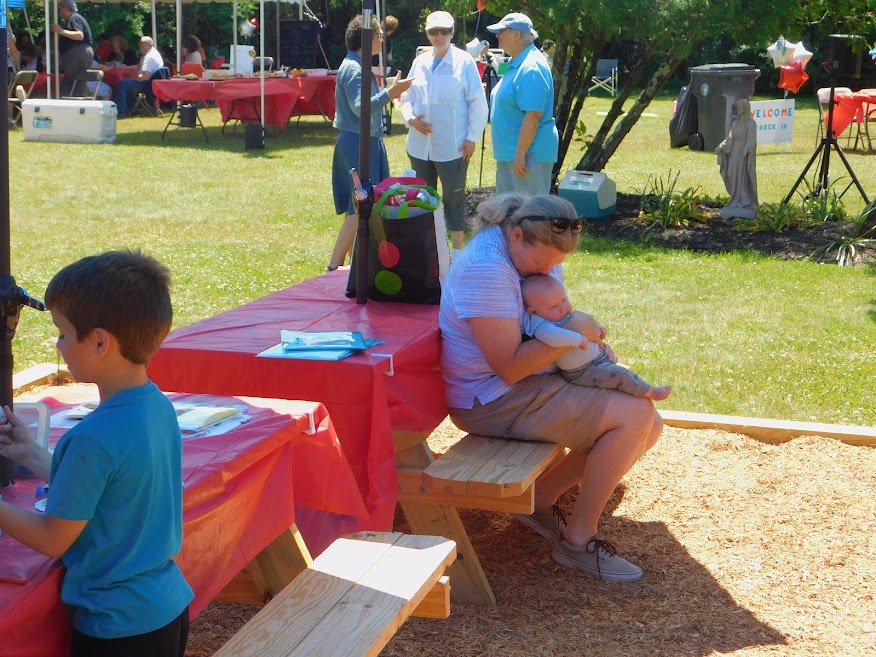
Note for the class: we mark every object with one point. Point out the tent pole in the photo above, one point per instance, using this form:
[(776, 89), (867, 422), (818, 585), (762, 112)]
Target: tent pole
[(154, 26), (232, 56), (57, 60), (262, 62), (48, 57), (179, 26), (27, 22)]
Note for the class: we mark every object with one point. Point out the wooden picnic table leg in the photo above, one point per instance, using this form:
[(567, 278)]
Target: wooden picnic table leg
[(468, 583), (272, 569)]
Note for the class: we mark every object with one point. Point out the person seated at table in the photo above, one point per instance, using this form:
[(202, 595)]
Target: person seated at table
[(120, 55), (104, 92), (496, 383), (29, 56), (114, 512), (12, 58), (103, 48), (150, 62), (192, 52)]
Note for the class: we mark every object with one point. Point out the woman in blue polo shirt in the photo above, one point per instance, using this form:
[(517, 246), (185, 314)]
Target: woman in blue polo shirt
[(525, 139)]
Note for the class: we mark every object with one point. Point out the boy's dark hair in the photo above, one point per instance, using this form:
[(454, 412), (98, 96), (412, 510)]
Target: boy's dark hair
[(124, 292)]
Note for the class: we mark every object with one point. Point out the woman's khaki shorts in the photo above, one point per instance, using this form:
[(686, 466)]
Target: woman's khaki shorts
[(543, 407)]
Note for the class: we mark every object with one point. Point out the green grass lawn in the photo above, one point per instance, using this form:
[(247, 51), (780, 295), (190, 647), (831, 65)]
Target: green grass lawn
[(733, 333)]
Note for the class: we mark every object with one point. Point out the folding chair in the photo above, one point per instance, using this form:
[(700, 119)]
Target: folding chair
[(823, 96), (868, 116), (145, 102), (605, 77), (25, 80), (257, 63), (88, 81), (188, 69)]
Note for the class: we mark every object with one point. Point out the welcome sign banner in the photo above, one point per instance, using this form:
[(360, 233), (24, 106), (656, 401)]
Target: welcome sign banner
[(775, 120)]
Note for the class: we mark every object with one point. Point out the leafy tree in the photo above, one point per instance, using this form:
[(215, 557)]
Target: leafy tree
[(655, 36)]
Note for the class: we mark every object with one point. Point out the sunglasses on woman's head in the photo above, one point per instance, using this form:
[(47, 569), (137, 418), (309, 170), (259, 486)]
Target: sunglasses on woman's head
[(560, 225), (435, 31)]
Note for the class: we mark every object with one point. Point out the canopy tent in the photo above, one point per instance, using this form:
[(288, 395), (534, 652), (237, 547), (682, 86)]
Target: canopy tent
[(19, 4), (179, 32)]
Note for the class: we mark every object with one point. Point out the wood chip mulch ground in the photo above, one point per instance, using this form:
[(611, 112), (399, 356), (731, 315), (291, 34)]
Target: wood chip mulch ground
[(748, 549)]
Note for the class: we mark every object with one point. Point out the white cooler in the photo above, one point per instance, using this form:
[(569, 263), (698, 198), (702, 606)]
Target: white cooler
[(593, 194), (82, 121)]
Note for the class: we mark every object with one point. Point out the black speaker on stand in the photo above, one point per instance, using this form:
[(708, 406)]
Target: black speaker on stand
[(829, 142)]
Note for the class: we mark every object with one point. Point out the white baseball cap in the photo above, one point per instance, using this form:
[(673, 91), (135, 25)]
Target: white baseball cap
[(439, 19)]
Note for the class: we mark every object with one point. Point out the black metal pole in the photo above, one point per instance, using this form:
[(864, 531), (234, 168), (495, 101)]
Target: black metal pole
[(12, 297), (364, 205), (487, 81), (6, 346)]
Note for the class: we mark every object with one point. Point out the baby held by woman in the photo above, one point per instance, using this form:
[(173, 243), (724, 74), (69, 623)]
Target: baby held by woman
[(551, 319)]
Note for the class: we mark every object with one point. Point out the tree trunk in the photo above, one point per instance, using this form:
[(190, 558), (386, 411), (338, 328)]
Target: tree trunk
[(573, 92), (598, 156)]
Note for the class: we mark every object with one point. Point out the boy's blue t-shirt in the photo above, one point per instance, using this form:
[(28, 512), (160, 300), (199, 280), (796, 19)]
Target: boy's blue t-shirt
[(120, 469)]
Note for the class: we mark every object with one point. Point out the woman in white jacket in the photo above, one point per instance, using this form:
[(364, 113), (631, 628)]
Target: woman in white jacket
[(446, 112)]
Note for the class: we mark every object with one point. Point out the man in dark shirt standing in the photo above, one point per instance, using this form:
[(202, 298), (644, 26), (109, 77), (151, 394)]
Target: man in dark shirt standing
[(74, 44)]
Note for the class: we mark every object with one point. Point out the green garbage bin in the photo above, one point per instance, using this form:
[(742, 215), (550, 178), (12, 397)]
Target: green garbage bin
[(717, 87)]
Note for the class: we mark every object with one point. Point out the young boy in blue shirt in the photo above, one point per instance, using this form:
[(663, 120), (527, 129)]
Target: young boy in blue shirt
[(114, 511)]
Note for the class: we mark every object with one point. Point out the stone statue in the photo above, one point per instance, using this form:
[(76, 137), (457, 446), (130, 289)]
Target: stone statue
[(736, 159)]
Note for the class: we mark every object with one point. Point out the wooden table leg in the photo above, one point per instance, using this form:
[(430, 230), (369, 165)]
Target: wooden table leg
[(468, 583), (272, 569)]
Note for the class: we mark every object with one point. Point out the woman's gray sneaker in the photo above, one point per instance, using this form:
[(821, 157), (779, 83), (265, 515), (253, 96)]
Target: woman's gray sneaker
[(547, 522), (598, 558)]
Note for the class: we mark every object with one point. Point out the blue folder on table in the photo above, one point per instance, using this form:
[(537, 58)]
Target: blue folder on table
[(318, 345)]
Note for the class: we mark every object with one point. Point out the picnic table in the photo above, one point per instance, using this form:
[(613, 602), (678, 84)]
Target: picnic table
[(239, 98), (384, 401), (245, 494)]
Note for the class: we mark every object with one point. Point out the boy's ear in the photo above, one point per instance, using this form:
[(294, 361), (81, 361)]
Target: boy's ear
[(101, 340)]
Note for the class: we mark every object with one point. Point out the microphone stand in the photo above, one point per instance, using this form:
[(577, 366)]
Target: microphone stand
[(307, 12), (487, 81)]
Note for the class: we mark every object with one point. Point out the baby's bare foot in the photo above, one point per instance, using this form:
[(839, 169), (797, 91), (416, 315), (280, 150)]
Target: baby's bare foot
[(658, 393)]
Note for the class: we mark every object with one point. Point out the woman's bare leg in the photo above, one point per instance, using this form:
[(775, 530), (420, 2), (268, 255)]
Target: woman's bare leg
[(344, 242), (629, 428)]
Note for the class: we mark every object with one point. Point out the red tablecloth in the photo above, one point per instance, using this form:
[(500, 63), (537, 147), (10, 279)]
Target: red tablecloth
[(238, 98), (112, 76), (218, 356), (242, 490), (848, 108)]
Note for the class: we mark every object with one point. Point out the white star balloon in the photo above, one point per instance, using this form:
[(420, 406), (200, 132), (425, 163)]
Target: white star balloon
[(800, 54), (781, 52)]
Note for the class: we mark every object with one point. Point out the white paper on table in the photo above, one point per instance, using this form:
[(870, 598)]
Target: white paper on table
[(241, 59)]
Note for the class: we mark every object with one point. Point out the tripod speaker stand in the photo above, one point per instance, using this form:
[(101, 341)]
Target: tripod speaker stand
[(828, 142)]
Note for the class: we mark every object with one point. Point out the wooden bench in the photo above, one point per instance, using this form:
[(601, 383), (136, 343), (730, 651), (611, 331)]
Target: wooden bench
[(493, 474), (351, 600), (479, 467)]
